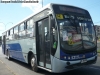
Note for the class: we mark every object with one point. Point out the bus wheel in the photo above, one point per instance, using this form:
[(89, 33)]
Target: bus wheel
[(33, 64), (8, 55)]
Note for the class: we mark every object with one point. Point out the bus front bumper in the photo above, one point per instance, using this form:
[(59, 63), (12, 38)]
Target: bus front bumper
[(89, 62), (59, 66)]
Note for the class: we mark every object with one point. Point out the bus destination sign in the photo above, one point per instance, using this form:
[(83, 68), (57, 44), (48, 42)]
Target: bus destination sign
[(71, 9)]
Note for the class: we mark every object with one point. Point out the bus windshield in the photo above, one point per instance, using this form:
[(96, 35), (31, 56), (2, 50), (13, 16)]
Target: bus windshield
[(76, 32)]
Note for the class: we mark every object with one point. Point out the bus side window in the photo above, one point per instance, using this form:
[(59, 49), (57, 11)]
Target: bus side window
[(22, 31), (7, 36), (29, 31), (11, 34), (16, 32)]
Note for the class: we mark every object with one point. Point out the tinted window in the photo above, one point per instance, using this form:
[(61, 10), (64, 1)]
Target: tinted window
[(21, 27)]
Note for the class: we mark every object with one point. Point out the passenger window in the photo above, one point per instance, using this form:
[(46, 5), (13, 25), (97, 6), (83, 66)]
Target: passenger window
[(22, 32), (7, 36), (16, 29), (30, 29), (11, 35), (21, 27), (16, 32)]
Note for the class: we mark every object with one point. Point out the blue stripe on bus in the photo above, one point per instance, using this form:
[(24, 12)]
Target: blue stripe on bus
[(14, 46), (15, 51), (72, 57)]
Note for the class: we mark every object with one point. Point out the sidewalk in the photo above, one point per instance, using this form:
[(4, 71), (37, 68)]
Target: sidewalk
[(4, 70), (99, 54)]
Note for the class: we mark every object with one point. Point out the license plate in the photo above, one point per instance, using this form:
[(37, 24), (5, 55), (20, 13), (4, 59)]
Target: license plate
[(83, 61)]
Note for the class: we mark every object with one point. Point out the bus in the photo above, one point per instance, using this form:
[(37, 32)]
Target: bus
[(0, 40), (57, 38)]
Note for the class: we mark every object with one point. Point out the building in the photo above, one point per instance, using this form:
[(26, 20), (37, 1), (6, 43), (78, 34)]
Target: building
[(97, 28)]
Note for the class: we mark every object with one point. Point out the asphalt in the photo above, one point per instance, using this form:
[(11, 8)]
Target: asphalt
[(4, 69)]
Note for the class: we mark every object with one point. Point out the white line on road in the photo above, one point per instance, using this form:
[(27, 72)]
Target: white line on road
[(8, 68), (1, 61), (11, 70)]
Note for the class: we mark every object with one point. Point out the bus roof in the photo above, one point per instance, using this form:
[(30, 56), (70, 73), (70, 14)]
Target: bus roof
[(47, 6)]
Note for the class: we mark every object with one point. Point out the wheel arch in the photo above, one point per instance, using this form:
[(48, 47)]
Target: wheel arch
[(30, 53)]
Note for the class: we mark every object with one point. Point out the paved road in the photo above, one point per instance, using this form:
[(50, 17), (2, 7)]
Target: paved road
[(20, 68)]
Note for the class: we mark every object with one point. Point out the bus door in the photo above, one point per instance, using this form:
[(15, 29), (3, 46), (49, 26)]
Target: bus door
[(4, 44), (43, 43)]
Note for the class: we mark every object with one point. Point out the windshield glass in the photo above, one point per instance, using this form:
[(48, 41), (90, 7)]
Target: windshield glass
[(76, 32)]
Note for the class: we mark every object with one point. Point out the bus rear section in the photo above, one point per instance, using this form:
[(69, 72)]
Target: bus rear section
[(3, 43)]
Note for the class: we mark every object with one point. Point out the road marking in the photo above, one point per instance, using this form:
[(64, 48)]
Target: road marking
[(1, 61), (95, 68), (11, 70), (8, 68)]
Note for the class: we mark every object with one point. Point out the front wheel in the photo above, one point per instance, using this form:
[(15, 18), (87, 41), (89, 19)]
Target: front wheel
[(33, 64)]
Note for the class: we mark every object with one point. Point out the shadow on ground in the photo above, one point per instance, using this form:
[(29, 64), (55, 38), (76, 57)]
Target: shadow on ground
[(87, 70)]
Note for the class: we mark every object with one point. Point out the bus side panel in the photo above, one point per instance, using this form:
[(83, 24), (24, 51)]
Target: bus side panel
[(15, 50), (27, 45), (19, 49), (3, 44)]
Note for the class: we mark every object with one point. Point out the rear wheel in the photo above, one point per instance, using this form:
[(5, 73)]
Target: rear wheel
[(33, 64)]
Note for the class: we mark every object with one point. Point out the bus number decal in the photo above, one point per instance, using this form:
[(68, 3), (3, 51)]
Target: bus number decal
[(59, 16)]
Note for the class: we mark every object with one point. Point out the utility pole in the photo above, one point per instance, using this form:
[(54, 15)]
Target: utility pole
[(42, 3)]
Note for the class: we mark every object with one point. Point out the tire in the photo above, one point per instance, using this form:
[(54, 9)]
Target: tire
[(8, 55), (33, 64)]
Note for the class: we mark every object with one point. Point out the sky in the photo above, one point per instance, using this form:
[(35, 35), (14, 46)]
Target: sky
[(12, 13)]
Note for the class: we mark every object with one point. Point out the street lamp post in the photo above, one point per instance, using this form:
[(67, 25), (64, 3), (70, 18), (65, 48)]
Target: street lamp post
[(6, 24), (42, 3)]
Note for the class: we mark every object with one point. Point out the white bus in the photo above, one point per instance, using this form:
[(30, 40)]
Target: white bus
[(57, 38)]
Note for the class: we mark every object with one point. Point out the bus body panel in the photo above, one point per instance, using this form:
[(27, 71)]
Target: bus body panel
[(19, 49), (15, 50), (59, 66), (59, 62), (74, 57)]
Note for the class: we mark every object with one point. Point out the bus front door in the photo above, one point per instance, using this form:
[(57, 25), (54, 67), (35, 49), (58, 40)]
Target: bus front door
[(43, 43)]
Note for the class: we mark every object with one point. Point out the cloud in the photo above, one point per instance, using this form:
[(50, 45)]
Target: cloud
[(33, 6)]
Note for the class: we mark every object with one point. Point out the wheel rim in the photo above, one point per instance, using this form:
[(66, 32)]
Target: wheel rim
[(33, 62), (8, 56)]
